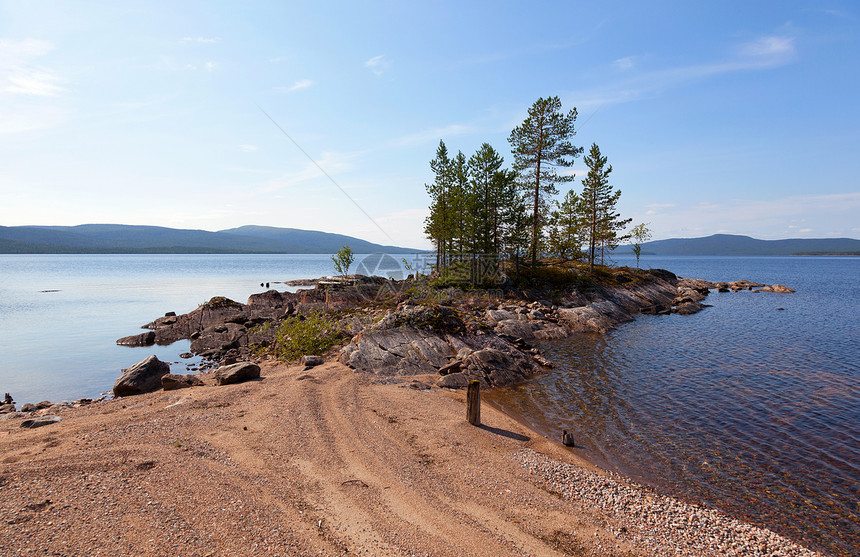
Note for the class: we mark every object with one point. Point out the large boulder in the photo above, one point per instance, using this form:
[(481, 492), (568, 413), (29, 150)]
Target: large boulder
[(500, 366), (142, 377), (236, 373)]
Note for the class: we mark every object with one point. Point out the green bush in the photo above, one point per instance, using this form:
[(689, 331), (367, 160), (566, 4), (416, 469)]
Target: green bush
[(311, 335)]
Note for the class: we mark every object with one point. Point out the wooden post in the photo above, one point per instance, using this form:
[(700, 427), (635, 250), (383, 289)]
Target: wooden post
[(473, 403)]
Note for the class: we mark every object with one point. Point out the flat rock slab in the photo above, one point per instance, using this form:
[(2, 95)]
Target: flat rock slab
[(41, 421)]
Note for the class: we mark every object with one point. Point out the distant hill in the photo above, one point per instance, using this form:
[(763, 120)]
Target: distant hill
[(120, 238), (728, 244)]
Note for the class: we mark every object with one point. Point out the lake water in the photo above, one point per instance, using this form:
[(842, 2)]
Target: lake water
[(746, 407), (62, 314)]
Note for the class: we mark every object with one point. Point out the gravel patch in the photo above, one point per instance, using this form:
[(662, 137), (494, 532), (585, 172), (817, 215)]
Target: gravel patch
[(658, 524)]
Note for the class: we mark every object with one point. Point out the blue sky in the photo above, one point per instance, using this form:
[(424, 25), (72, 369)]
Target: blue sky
[(730, 117)]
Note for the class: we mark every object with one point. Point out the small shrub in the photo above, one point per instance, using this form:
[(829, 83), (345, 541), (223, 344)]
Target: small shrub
[(313, 335)]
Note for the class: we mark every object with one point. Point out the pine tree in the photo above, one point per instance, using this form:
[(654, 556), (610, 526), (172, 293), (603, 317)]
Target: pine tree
[(597, 207), (491, 189), (437, 224), (565, 234), (540, 145), (461, 228)]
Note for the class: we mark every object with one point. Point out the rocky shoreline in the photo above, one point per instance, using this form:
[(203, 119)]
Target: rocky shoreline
[(397, 336)]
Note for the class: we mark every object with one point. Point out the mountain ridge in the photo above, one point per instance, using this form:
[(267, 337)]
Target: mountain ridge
[(123, 238), (733, 244)]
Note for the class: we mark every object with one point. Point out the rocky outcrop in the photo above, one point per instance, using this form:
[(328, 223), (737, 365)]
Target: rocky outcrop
[(142, 377), (222, 325), (236, 373), (418, 340), (491, 345)]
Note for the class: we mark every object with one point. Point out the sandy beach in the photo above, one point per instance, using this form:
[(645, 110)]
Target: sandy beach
[(324, 462)]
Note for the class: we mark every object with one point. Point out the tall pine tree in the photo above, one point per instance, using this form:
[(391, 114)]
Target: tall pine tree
[(597, 207), (540, 145), (437, 225)]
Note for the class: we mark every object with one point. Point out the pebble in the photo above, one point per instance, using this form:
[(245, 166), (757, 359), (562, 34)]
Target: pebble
[(659, 524)]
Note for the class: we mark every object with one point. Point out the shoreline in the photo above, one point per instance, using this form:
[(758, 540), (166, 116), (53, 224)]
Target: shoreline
[(303, 462)]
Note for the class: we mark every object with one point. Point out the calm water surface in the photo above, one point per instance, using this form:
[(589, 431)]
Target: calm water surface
[(60, 315), (745, 406)]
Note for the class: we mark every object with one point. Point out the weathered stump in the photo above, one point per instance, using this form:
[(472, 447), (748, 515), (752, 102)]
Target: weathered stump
[(567, 439), (473, 403)]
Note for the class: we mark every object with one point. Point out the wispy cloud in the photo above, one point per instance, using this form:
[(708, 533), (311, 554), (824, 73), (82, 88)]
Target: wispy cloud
[(502, 55), (248, 148), (30, 92), (332, 162), (297, 86), (769, 50), (20, 75), (434, 134), (207, 66), (624, 64), (377, 65), (762, 53), (207, 40)]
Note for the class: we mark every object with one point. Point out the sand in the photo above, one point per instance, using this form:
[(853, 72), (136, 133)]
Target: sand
[(322, 462)]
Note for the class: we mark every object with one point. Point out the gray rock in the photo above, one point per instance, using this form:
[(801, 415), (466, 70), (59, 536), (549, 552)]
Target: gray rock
[(40, 422), (688, 308), (236, 373), (311, 361), (143, 339), (171, 382), (7, 408), (142, 377), (501, 367), (777, 288), (397, 352), (29, 407), (454, 381), (584, 319)]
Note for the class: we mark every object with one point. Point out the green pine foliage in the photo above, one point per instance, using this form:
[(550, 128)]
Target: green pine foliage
[(479, 209), (540, 145), (565, 231), (598, 200)]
